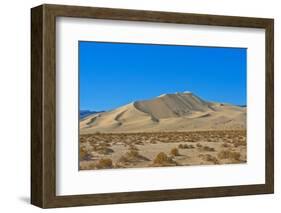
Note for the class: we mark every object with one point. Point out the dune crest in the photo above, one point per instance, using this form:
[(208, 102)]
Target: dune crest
[(173, 105)]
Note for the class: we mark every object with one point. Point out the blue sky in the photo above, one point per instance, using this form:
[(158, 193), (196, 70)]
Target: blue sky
[(114, 74)]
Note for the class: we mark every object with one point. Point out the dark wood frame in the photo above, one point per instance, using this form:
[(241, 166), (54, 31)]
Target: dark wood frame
[(43, 105)]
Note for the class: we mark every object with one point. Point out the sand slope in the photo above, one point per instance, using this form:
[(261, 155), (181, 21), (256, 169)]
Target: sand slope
[(168, 112)]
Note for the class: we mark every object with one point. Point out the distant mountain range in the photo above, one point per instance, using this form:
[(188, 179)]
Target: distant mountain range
[(85, 113), (168, 112)]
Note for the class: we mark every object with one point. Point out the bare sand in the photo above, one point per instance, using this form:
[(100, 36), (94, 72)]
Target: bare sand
[(171, 130)]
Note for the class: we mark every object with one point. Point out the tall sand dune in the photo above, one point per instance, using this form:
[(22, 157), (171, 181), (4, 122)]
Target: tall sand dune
[(168, 112)]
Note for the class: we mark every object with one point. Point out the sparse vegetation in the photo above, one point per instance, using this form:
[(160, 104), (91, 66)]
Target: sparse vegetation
[(174, 152), (162, 159), (209, 158), (104, 163), (169, 137), (186, 146), (139, 143), (83, 154), (207, 149), (104, 150), (227, 154), (240, 142), (161, 149), (198, 145), (132, 156), (225, 145), (123, 159)]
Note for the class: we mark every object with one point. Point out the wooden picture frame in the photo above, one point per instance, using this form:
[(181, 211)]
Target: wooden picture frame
[(43, 105)]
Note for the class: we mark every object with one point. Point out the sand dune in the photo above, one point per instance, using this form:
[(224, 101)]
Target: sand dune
[(168, 112)]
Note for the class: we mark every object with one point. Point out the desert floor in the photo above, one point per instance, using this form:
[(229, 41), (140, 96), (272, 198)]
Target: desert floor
[(137, 150)]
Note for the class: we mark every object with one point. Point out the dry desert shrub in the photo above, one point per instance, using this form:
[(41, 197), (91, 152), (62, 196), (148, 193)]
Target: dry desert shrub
[(239, 143), (104, 163), (174, 152), (189, 146), (192, 139), (153, 141), (123, 159), (105, 144), (83, 139), (163, 160), (91, 165), (132, 156), (104, 151), (225, 145), (199, 145), (227, 154), (186, 146), (206, 149), (139, 143), (84, 155), (210, 139), (209, 158), (181, 146), (103, 148)]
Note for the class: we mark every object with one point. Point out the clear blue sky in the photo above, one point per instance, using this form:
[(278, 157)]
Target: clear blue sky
[(114, 74)]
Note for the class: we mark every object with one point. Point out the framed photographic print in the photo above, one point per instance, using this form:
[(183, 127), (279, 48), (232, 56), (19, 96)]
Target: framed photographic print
[(136, 106)]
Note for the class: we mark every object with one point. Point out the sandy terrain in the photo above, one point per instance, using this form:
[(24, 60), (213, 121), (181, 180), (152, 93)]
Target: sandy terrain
[(128, 150), (169, 130), (169, 112)]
